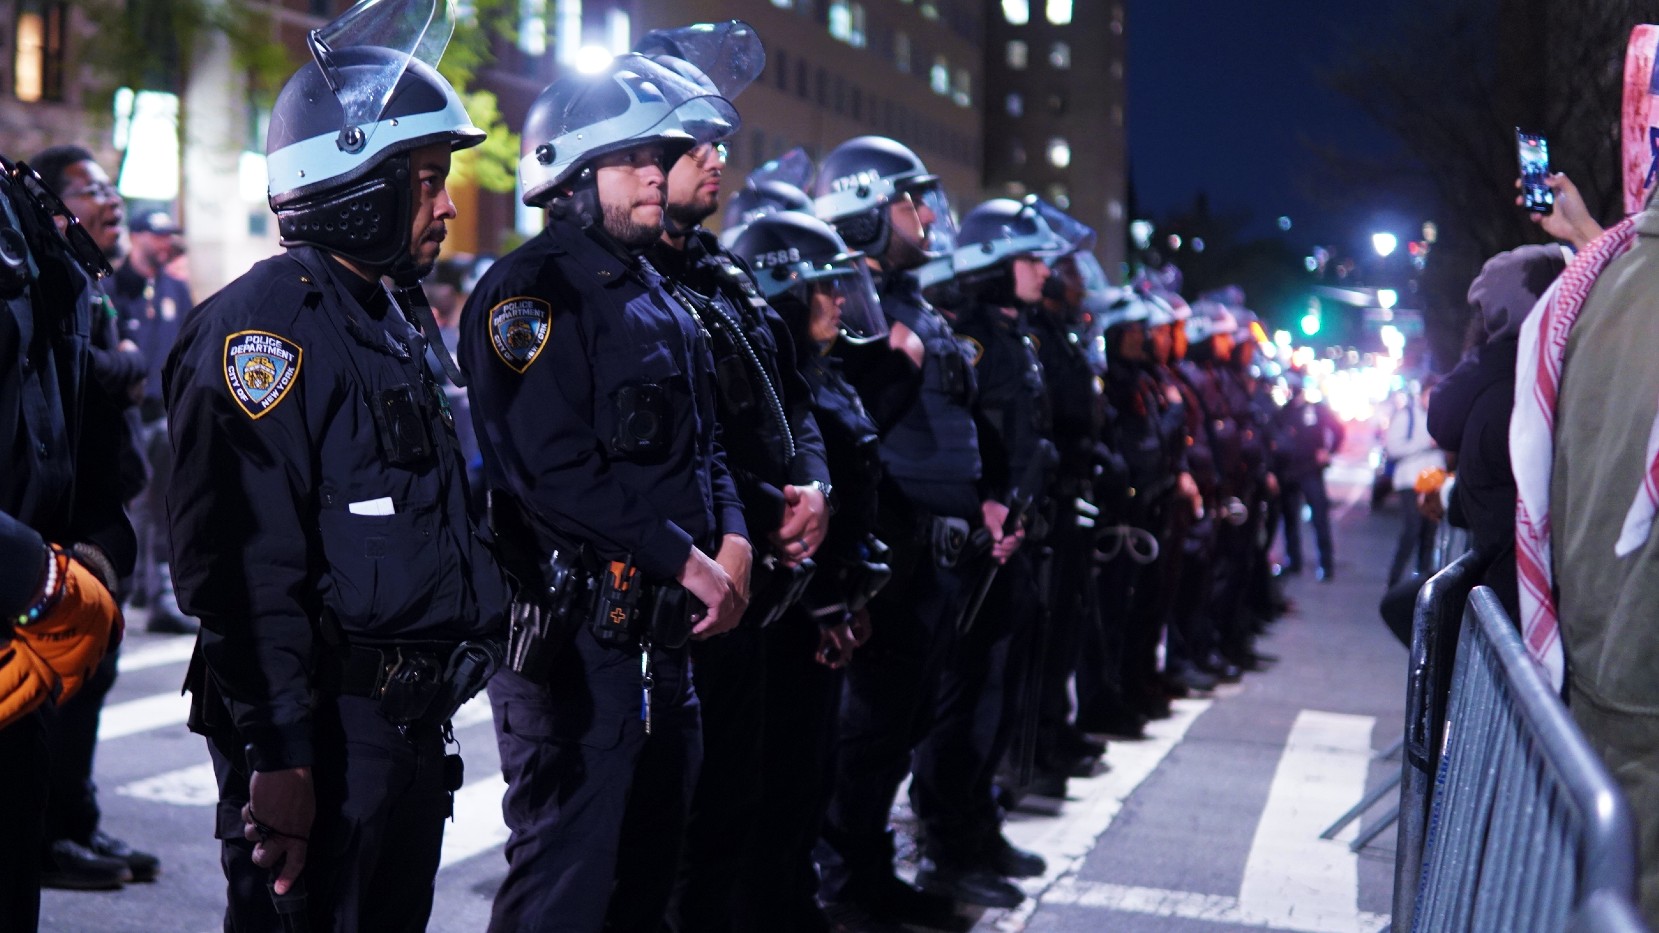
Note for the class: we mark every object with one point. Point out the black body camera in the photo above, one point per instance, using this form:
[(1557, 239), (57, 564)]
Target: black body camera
[(641, 420), (400, 422)]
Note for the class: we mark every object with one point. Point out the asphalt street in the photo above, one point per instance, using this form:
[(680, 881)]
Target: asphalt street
[(1209, 825)]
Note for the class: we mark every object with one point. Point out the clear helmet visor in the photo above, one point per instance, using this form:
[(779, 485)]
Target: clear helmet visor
[(846, 292), (418, 29), (1076, 234), (793, 168), (938, 223), (1088, 271), (729, 54)]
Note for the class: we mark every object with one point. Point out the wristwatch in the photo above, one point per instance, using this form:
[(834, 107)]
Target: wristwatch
[(828, 491)]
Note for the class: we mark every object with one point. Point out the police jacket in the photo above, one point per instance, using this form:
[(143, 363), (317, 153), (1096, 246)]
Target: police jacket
[(317, 493), (593, 396), (766, 423), (1074, 398), (1301, 431), (1013, 406), (1142, 431), (1199, 437), (57, 430), (935, 442), (151, 311), (1226, 426)]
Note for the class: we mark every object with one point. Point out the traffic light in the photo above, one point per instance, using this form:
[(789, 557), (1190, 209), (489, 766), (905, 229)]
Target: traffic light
[(1310, 323)]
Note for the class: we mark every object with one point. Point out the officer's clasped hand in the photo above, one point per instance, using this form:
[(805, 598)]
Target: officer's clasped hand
[(277, 819), (805, 522), (709, 583)]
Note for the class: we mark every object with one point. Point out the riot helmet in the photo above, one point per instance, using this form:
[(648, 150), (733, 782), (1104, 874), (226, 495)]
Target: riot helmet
[(581, 117), (337, 150), (862, 179), (806, 271), (756, 200), (1210, 319), (991, 237), (724, 57)]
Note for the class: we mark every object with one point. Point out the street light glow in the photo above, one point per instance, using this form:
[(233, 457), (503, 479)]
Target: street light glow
[(1387, 298), (592, 59), (1384, 243)]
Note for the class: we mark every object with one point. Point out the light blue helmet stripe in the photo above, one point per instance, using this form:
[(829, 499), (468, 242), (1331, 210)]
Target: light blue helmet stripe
[(320, 158)]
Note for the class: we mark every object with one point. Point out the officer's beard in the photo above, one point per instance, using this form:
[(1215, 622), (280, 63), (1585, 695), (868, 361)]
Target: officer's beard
[(682, 216), (620, 224), (903, 252)]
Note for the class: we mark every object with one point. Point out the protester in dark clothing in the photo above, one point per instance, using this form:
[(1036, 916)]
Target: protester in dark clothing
[(1469, 411)]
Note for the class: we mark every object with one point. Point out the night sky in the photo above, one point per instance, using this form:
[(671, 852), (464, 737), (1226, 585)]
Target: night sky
[(1221, 92)]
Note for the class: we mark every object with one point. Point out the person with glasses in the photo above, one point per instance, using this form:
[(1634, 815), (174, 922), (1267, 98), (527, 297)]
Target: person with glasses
[(78, 854), (777, 460), (592, 390)]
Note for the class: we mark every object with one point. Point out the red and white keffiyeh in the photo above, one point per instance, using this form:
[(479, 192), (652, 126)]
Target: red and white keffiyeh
[(1543, 350)]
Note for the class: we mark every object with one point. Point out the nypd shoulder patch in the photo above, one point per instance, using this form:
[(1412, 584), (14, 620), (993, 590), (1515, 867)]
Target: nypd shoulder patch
[(260, 368), (975, 348), (519, 328)]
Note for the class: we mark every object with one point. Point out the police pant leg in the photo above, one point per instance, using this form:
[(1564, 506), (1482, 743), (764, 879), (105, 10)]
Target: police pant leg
[(24, 770), (886, 706), (1069, 608), (778, 886), (568, 752), (955, 765), (1101, 703), (653, 823), (1319, 506), (1290, 497), (732, 685), (378, 834), (72, 806), (1227, 590), (1149, 611), (1191, 611)]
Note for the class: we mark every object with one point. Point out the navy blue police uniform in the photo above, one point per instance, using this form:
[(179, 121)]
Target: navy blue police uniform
[(956, 764), (930, 502), (593, 395), (322, 535), (771, 440)]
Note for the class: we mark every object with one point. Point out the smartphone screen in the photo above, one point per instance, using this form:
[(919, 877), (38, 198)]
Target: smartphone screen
[(1535, 167)]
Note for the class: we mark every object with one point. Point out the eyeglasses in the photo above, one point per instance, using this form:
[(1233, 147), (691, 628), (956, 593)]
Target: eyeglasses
[(48, 206), (703, 153), (97, 191)]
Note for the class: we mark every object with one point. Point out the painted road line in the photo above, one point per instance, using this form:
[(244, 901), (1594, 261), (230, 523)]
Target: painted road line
[(194, 786), (135, 716), (174, 650), (1066, 840), (1293, 880), (1186, 905), (477, 827)]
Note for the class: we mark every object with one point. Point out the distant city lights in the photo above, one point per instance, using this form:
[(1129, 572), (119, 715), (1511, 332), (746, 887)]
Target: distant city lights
[(1384, 243)]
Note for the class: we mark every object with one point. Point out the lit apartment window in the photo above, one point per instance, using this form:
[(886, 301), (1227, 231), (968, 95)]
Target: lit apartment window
[(1059, 196), (1015, 104), (1059, 55), (1016, 152), (1059, 152), (930, 9), (860, 33), (567, 30), (1018, 54), (841, 20), (961, 88), (901, 52), (939, 76), (783, 4), (1016, 12), (619, 31), (1059, 12), (1117, 20), (37, 68), (532, 26)]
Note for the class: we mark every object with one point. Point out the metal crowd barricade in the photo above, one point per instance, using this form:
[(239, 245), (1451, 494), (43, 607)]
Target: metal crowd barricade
[(1525, 824), (1434, 628)]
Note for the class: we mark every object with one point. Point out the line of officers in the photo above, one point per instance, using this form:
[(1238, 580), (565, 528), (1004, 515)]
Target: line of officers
[(772, 523)]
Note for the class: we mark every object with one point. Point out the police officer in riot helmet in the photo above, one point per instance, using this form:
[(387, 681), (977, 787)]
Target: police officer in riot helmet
[(823, 292), (881, 199), (591, 386), (319, 510), (1001, 265), (776, 458)]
